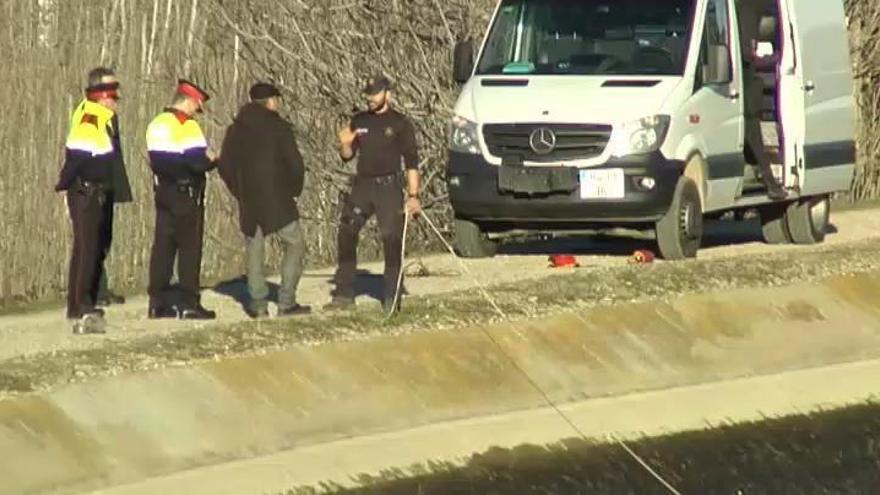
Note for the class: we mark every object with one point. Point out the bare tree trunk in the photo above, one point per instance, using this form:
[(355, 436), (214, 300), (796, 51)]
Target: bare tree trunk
[(190, 36)]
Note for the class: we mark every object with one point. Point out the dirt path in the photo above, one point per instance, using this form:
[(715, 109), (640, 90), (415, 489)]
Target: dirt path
[(48, 331)]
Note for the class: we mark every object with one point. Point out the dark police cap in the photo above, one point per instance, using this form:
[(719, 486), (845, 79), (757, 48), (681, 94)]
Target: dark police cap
[(263, 91), (376, 84)]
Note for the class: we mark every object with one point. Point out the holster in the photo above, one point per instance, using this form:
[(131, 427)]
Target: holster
[(95, 190)]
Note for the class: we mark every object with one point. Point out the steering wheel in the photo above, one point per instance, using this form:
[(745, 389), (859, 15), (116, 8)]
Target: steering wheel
[(660, 56), (608, 63)]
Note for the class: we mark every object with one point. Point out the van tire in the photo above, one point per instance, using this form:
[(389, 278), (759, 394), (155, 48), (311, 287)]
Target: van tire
[(680, 230), (808, 219), (773, 224), (471, 242)]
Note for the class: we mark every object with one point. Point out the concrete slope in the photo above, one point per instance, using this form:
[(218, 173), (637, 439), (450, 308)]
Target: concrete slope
[(130, 428)]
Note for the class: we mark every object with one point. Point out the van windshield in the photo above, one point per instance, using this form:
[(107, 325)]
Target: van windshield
[(585, 37)]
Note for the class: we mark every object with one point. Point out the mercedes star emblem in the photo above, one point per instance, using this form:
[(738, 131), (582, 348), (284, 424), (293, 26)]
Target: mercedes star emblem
[(542, 141)]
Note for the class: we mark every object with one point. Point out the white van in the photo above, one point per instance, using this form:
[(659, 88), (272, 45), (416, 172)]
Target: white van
[(584, 115)]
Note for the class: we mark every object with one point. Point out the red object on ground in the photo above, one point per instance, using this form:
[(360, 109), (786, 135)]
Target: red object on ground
[(563, 261), (643, 256)]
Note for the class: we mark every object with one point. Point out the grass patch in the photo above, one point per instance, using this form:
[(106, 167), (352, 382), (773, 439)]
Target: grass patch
[(22, 307), (574, 291)]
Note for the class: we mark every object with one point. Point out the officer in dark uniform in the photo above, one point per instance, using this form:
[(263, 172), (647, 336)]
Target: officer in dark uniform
[(87, 178), (120, 192), (384, 139), (179, 157), (753, 96)]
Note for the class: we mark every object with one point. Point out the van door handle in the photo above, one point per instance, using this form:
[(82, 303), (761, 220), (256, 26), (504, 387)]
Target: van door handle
[(809, 86), (734, 95)]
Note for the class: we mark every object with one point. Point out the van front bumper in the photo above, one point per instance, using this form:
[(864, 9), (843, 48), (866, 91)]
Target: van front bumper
[(475, 196)]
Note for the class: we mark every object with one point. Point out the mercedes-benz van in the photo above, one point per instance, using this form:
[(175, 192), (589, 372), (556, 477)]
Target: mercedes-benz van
[(585, 115)]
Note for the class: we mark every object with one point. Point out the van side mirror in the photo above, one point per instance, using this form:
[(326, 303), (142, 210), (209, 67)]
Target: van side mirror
[(463, 61), (717, 71)]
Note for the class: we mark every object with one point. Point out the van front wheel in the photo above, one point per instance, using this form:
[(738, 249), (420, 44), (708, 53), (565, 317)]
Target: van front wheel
[(808, 219), (471, 242), (680, 231)]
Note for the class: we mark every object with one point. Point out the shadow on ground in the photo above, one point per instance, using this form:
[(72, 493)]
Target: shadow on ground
[(366, 284), (835, 452), (237, 290)]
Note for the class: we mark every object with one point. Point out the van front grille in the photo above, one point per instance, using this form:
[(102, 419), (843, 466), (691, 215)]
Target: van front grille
[(573, 141)]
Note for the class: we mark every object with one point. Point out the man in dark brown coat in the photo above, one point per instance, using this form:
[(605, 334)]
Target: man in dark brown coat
[(263, 168)]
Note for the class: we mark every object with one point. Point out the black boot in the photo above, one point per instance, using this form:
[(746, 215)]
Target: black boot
[(161, 312), (257, 312), (339, 303), (197, 312), (295, 310), (89, 324), (109, 298), (390, 306), (775, 190)]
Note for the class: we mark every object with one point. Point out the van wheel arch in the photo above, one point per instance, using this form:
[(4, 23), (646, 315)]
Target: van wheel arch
[(695, 169)]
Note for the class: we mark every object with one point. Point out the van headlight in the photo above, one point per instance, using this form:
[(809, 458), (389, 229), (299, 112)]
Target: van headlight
[(464, 136), (640, 136)]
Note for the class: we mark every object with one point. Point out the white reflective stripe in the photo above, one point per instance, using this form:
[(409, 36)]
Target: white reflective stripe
[(89, 147), (193, 142), (165, 148)]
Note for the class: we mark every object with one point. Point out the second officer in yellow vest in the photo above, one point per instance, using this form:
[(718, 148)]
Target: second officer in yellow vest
[(180, 158)]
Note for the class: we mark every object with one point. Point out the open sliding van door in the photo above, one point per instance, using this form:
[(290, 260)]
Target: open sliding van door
[(816, 97)]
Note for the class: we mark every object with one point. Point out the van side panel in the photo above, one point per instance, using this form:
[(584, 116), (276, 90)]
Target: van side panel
[(825, 73)]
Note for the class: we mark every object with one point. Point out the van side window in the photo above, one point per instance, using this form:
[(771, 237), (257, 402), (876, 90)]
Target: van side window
[(716, 34)]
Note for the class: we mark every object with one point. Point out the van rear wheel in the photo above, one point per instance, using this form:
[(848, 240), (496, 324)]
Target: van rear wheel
[(808, 219), (773, 224), (471, 242), (680, 231)]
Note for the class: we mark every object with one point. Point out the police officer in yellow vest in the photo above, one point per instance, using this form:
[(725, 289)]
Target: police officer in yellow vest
[(87, 178), (179, 158)]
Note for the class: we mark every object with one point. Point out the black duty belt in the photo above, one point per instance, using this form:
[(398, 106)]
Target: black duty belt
[(95, 190), (90, 187), (192, 189), (379, 179)]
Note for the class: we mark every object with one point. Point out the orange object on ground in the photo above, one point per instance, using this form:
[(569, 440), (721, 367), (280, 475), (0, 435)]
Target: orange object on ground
[(563, 261), (643, 256)]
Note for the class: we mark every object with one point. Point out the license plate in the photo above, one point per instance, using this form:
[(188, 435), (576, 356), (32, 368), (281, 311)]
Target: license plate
[(602, 184)]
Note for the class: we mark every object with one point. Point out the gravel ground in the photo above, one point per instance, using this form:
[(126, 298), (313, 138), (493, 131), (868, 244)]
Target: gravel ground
[(37, 350)]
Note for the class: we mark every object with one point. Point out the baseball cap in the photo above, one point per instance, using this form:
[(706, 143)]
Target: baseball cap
[(262, 91), (376, 84)]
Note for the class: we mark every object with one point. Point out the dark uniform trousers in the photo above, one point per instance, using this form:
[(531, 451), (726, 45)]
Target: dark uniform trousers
[(86, 205), (105, 239), (754, 137), (382, 196), (180, 218)]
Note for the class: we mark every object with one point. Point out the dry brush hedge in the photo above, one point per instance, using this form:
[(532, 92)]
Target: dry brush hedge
[(317, 50)]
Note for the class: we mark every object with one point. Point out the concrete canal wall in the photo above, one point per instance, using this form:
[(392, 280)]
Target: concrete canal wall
[(130, 428)]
